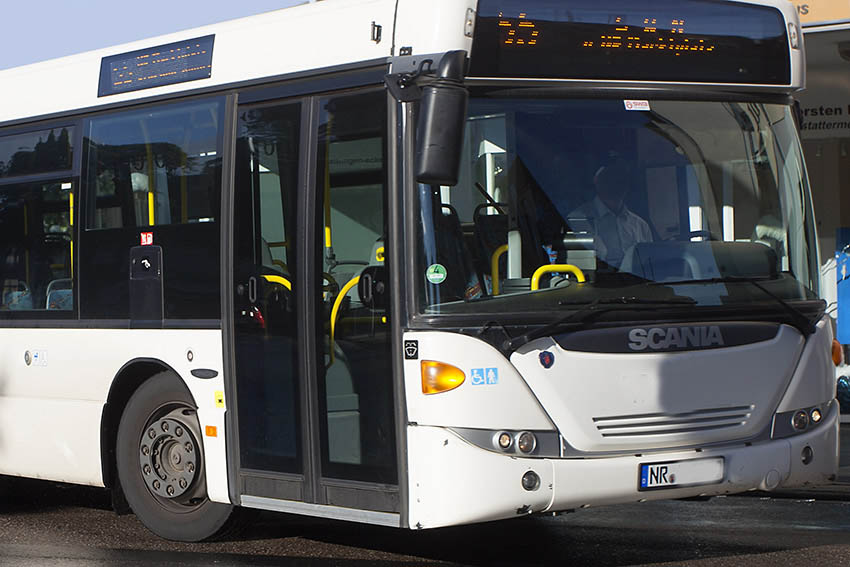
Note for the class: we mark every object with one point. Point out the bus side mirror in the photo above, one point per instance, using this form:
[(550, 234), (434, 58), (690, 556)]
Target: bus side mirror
[(442, 118), (373, 289)]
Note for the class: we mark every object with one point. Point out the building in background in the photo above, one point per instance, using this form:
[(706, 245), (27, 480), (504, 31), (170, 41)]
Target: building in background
[(825, 106)]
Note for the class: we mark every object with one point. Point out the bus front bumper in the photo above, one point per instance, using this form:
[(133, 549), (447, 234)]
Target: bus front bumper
[(454, 482), (807, 459)]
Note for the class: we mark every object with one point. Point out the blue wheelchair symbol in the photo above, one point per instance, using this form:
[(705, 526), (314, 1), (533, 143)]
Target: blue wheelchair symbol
[(478, 376), (485, 376)]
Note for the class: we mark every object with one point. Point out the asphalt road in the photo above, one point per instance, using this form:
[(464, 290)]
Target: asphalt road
[(47, 525)]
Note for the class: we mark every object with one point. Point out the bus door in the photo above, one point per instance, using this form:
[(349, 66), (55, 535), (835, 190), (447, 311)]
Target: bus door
[(266, 264), (356, 419), (314, 400)]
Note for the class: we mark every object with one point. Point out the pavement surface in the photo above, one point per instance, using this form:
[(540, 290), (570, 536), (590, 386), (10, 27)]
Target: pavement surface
[(48, 525)]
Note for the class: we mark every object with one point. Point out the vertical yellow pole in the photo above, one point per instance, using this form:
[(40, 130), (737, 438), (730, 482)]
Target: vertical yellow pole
[(328, 240), (71, 209), (151, 177)]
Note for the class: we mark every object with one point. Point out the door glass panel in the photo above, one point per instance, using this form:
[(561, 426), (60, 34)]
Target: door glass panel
[(264, 268), (355, 381)]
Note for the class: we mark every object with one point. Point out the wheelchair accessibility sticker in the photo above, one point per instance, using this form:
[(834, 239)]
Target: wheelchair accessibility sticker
[(485, 376)]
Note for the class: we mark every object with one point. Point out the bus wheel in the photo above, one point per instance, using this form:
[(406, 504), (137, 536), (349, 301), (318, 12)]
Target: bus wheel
[(160, 462)]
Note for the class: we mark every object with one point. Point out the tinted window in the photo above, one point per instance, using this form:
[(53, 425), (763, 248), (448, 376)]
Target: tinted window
[(355, 388), (155, 167), (267, 157), (35, 246), (43, 151), (155, 171)]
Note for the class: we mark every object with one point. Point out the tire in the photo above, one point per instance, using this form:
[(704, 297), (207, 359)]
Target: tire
[(159, 458)]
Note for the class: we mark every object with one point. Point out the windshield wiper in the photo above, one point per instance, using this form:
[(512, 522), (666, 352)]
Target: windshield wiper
[(598, 306), (799, 319)]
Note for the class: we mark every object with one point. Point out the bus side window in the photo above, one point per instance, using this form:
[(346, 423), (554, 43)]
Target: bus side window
[(36, 246), (154, 172)]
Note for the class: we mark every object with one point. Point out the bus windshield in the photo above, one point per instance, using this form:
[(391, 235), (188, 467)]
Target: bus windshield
[(568, 201)]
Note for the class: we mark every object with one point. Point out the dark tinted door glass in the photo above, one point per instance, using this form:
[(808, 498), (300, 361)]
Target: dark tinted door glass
[(355, 380), (265, 269)]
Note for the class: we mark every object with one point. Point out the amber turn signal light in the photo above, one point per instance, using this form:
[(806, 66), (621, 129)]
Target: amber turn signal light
[(837, 355), (440, 377)]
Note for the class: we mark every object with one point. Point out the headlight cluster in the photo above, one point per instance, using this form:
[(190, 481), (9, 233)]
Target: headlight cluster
[(524, 441), (789, 423), (521, 443)]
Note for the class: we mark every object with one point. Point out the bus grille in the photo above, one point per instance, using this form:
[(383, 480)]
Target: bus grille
[(654, 424)]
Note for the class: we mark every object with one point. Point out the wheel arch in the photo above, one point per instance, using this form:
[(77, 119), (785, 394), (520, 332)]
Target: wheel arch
[(127, 380)]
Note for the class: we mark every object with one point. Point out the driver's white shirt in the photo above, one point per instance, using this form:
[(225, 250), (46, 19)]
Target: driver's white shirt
[(615, 232)]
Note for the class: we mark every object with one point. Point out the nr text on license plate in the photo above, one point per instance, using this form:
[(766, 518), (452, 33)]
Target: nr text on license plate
[(677, 474)]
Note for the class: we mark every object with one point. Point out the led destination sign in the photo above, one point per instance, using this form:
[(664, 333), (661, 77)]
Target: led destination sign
[(704, 41), (178, 62)]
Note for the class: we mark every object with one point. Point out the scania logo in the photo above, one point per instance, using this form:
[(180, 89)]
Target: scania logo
[(669, 338)]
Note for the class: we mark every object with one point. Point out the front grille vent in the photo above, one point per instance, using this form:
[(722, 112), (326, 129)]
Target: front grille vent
[(655, 424)]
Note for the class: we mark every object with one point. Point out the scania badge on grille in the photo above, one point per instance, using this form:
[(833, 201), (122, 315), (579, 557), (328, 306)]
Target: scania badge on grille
[(547, 359)]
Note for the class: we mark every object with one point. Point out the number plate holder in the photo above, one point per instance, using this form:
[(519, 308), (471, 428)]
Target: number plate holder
[(680, 474)]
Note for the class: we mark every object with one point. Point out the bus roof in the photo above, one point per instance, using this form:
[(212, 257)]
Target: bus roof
[(311, 36)]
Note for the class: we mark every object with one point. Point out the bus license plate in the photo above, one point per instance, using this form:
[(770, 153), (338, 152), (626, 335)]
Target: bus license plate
[(677, 474)]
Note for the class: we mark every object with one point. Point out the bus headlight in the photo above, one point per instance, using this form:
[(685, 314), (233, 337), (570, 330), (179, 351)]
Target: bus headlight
[(526, 442), (504, 440), (790, 423), (800, 421)]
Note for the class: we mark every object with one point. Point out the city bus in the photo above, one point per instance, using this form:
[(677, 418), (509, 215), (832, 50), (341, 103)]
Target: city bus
[(415, 264)]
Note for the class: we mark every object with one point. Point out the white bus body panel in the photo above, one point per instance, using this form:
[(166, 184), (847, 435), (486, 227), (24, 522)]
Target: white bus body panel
[(506, 404), (301, 38), (51, 410), (453, 481), (614, 402), (292, 40)]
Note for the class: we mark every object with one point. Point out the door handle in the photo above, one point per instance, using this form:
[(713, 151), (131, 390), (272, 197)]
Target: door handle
[(366, 288), (252, 289)]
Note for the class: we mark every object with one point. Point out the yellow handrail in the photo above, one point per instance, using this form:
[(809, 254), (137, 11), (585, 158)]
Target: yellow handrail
[(71, 213), (494, 266), (279, 280), (335, 311), (535, 279)]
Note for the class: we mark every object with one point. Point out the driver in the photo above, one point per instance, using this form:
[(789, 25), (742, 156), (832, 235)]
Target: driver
[(617, 228)]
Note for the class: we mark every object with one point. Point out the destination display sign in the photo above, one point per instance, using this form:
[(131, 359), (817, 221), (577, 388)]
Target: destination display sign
[(700, 41), (177, 62)]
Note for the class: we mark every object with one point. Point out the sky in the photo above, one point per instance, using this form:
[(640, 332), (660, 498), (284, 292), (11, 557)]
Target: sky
[(37, 30)]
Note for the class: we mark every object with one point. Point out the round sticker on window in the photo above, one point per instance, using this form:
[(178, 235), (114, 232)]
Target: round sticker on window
[(436, 273)]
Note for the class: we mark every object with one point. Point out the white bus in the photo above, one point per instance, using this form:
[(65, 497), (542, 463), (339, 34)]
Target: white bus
[(415, 264)]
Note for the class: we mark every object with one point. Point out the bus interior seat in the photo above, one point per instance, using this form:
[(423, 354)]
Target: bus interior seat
[(461, 276), (58, 284), (491, 232), (18, 300), (16, 295), (60, 300)]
